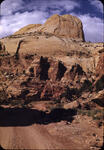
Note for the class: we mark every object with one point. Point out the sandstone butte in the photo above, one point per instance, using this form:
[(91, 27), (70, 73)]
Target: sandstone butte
[(59, 36), (63, 26), (51, 87)]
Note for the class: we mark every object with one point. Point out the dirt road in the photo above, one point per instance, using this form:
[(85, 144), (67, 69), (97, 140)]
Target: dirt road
[(30, 137)]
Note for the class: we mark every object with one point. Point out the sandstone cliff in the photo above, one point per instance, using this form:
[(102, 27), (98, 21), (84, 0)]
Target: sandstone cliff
[(66, 26)]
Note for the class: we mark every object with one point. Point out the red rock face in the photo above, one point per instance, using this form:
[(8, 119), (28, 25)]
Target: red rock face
[(47, 79), (44, 78), (48, 69)]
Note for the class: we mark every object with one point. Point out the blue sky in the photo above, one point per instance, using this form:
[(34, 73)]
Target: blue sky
[(18, 13)]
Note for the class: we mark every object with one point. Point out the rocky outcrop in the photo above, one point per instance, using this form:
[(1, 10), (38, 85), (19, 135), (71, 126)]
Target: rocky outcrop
[(45, 80), (48, 79), (41, 81), (66, 26)]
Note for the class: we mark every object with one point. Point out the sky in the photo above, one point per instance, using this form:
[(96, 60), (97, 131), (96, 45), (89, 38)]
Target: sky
[(15, 14)]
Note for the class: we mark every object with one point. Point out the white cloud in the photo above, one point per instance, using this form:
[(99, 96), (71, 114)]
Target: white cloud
[(67, 5), (9, 6), (97, 4), (93, 28), (12, 23)]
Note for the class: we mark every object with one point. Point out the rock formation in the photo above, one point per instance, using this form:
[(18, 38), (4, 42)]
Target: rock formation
[(47, 79), (66, 26)]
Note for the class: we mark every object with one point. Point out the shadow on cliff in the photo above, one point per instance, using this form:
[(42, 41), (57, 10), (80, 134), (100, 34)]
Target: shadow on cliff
[(27, 116)]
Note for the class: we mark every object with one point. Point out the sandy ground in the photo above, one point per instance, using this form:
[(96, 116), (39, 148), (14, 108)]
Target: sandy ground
[(32, 137)]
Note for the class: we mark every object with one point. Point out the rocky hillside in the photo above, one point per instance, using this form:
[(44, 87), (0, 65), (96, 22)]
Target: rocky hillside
[(50, 62), (45, 78)]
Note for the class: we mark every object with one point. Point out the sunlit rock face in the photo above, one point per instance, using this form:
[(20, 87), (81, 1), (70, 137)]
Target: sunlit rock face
[(64, 26), (67, 26)]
